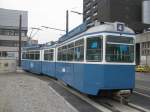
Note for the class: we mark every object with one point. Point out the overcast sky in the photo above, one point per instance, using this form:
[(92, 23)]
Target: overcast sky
[(47, 13)]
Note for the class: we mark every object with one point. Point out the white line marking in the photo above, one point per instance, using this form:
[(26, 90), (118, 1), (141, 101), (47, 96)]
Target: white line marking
[(138, 107), (142, 87), (142, 94)]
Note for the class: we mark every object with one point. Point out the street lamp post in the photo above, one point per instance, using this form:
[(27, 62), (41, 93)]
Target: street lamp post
[(20, 25)]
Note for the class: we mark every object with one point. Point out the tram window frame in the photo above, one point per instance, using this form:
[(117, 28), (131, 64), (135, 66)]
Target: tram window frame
[(79, 46), (119, 39), (49, 55), (70, 52), (119, 55), (24, 56), (59, 54), (62, 53), (33, 55), (96, 54), (37, 55)]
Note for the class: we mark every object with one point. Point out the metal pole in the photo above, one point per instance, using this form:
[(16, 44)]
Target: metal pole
[(146, 44), (20, 24), (67, 21)]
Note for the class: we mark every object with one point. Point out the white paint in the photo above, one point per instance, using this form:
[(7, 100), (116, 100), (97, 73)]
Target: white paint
[(63, 70), (142, 87), (139, 107), (148, 96), (31, 64)]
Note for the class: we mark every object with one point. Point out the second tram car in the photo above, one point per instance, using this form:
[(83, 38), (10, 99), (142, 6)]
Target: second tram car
[(101, 58)]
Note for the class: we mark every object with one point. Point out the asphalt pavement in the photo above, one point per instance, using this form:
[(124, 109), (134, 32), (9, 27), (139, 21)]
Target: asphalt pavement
[(20, 92), (141, 94)]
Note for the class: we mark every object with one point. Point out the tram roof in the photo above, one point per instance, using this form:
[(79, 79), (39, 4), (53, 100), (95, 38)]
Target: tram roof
[(33, 47), (39, 47), (101, 28)]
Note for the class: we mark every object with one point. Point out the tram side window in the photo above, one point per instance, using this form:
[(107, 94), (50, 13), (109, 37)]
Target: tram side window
[(79, 50), (70, 53), (59, 55), (64, 53), (48, 55), (94, 49), (31, 55), (27, 55), (37, 55), (24, 55)]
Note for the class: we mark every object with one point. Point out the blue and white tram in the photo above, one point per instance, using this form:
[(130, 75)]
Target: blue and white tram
[(48, 61), (102, 58), (99, 59), (31, 59)]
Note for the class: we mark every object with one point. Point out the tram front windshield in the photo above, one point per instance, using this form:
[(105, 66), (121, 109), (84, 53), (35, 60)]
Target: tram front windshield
[(119, 49)]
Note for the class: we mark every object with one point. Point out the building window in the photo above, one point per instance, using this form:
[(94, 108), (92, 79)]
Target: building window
[(95, 14), (88, 11), (142, 52), (148, 44), (3, 54), (95, 6), (88, 18), (88, 4), (11, 32)]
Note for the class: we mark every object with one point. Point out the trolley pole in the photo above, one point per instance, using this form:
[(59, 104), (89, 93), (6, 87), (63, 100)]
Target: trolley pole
[(20, 25), (67, 21)]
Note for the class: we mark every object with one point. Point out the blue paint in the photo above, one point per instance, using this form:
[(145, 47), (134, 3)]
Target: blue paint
[(124, 48), (32, 66), (87, 78), (48, 68), (94, 45), (91, 79)]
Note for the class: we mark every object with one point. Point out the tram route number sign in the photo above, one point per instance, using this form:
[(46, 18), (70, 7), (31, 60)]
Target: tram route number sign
[(120, 26)]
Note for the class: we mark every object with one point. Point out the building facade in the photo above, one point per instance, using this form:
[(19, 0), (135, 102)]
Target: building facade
[(9, 31), (143, 48), (127, 11)]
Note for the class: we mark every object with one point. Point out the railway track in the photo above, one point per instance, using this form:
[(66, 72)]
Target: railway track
[(103, 104)]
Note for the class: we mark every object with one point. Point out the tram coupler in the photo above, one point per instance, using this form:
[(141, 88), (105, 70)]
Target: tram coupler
[(122, 96)]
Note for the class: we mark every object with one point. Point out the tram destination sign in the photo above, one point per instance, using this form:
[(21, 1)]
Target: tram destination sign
[(120, 26)]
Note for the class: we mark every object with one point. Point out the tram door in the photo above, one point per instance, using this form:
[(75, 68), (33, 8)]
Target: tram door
[(69, 66)]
